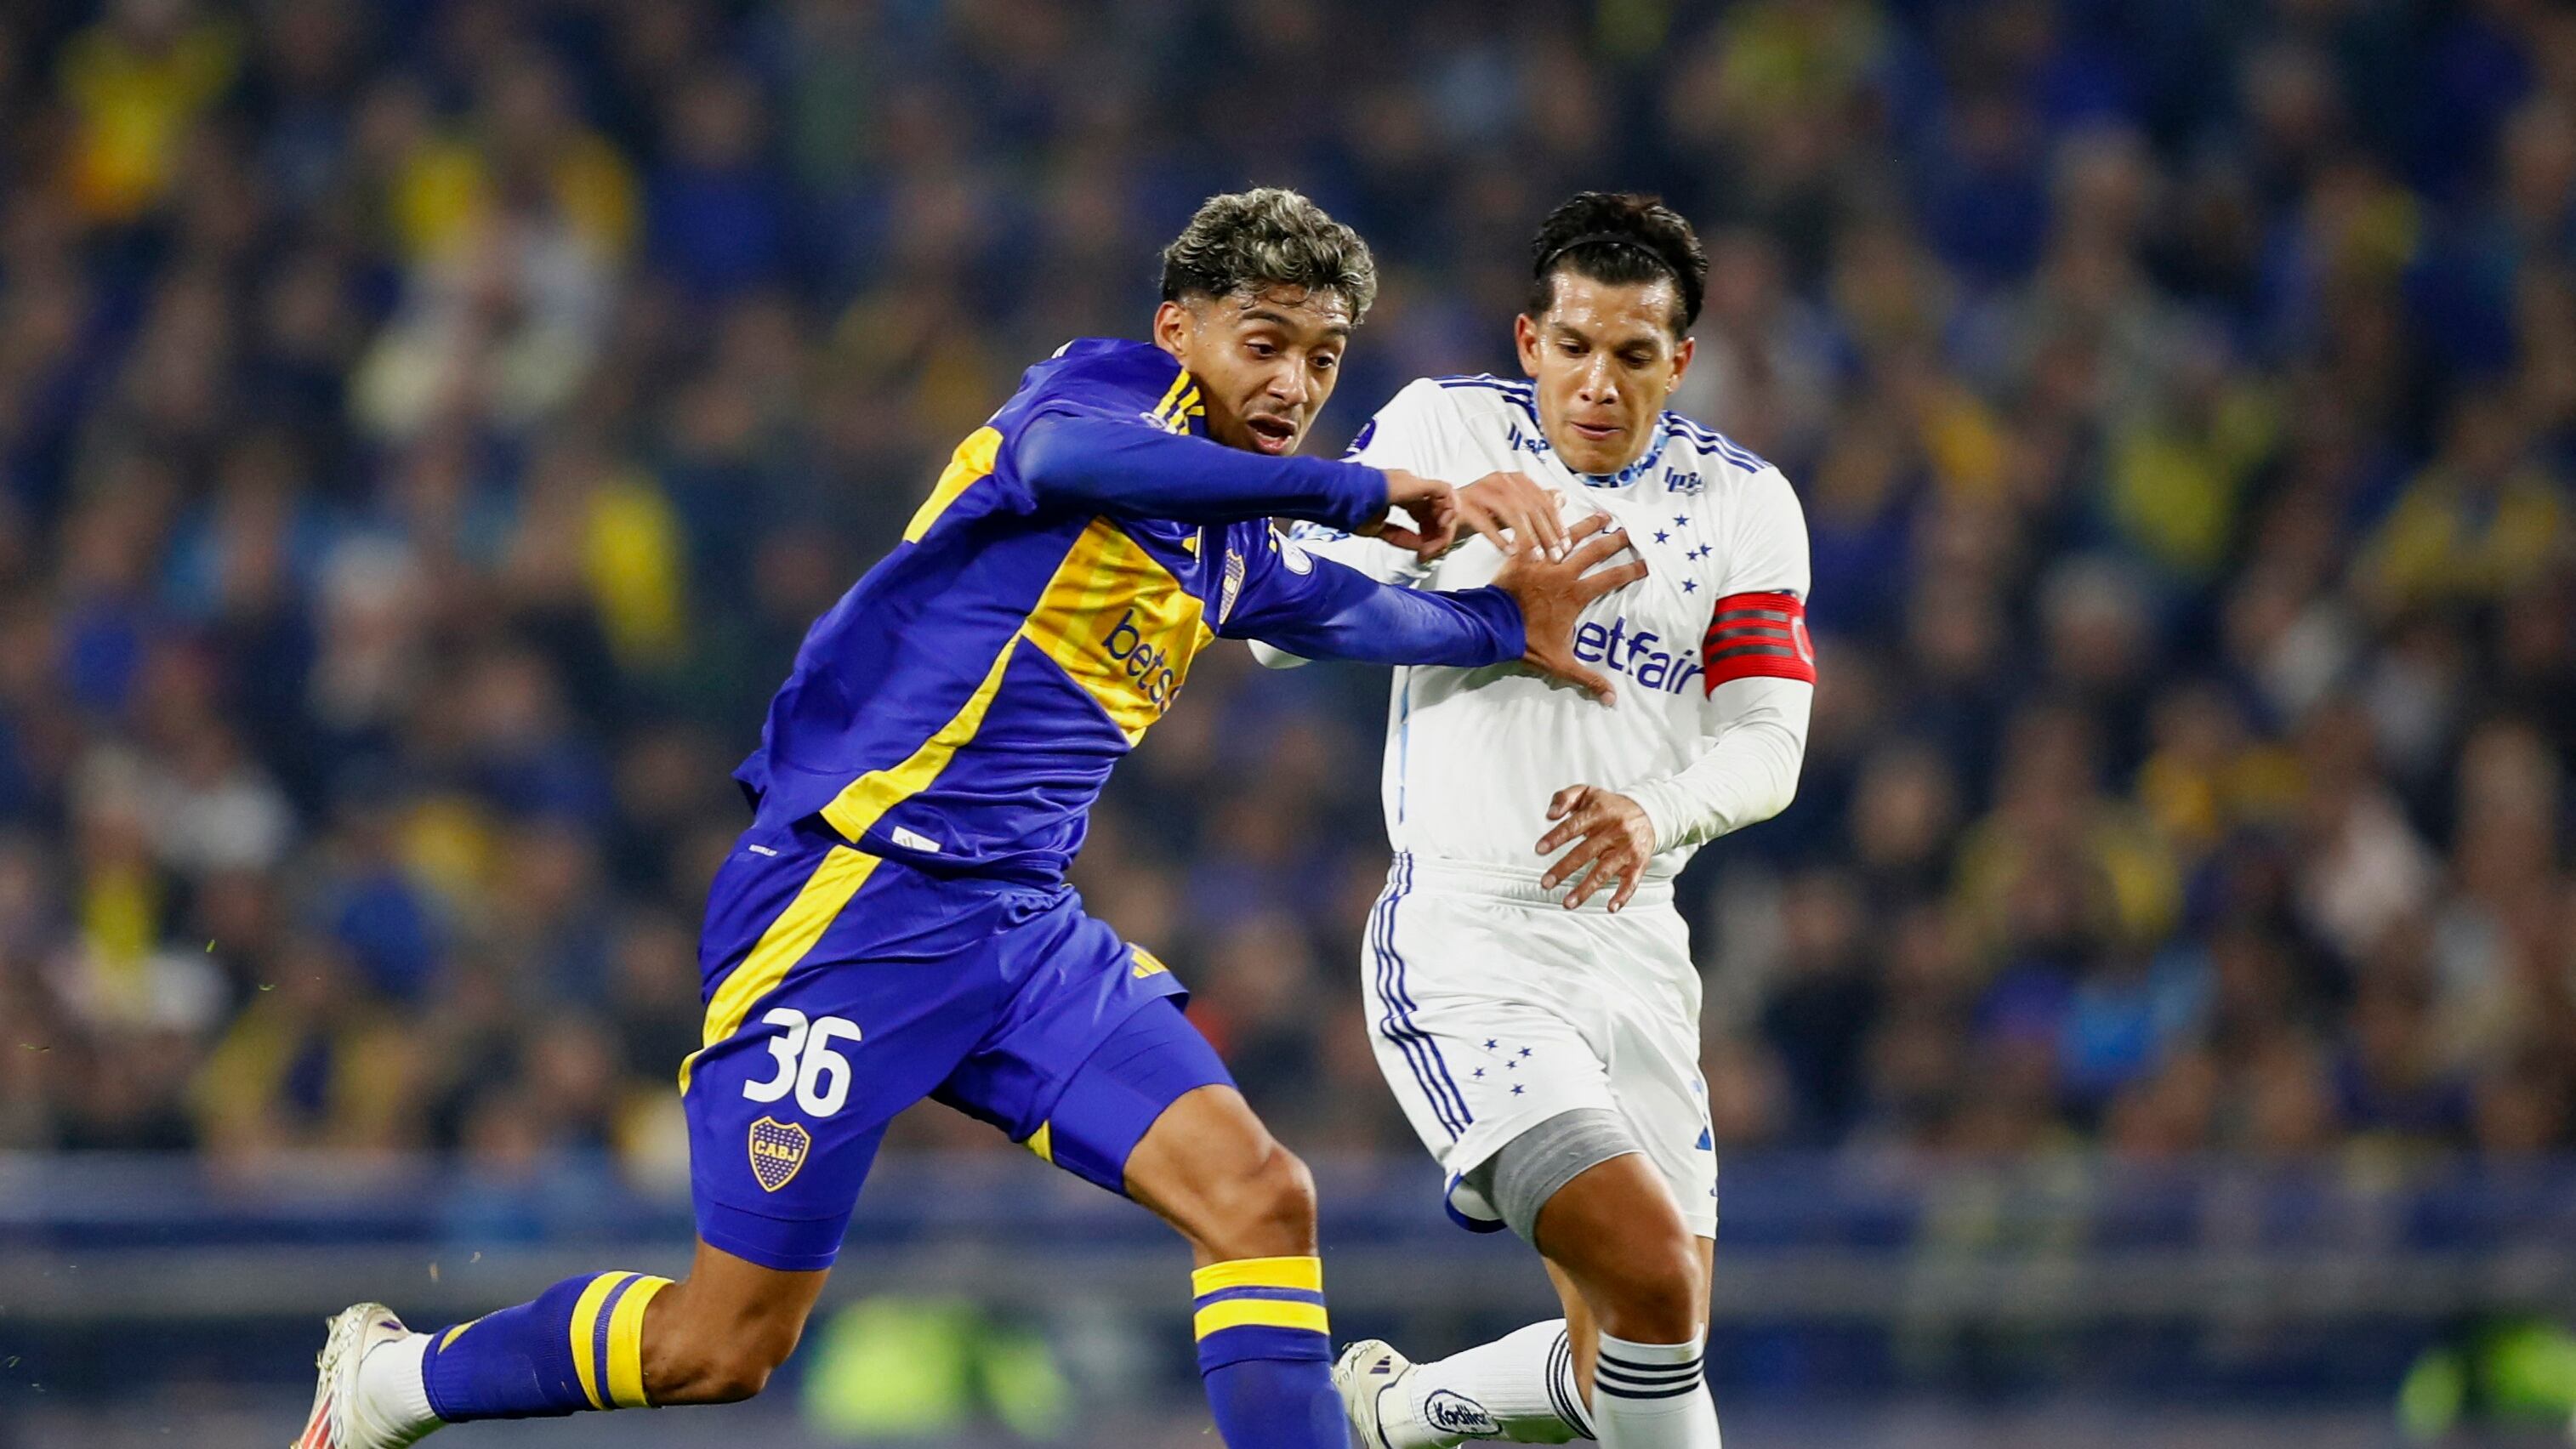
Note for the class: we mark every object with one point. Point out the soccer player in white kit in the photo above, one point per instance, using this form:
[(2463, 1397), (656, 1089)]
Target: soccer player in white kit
[(1529, 984)]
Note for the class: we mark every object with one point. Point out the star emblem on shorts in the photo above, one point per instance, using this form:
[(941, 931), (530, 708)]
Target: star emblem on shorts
[(1490, 1043), (1480, 1074), (1525, 1051), (1681, 523), (1517, 1090), (1690, 586), (1663, 535)]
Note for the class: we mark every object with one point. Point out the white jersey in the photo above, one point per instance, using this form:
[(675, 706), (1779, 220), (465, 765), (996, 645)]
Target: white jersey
[(1473, 755)]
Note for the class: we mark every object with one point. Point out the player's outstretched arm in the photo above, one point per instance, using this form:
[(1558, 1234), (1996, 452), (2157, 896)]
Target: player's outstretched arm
[(1121, 466), (1317, 609), (1508, 508)]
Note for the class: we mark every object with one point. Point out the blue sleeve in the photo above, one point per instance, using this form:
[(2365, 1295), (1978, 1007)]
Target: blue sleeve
[(1318, 609), (1122, 466)]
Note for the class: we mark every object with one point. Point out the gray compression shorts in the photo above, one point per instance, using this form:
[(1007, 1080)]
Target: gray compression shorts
[(1528, 1170)]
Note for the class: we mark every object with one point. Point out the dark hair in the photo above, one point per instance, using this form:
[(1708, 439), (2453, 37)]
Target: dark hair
[(1620, 238), (1267, 237)]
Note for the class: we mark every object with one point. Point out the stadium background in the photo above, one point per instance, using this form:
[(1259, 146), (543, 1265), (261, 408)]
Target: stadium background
[(427, 428)]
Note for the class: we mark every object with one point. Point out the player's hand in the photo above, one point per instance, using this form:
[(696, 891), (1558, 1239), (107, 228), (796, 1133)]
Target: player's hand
[(1612, 840), (1431, 506), (1512, 504), (1553, 592)]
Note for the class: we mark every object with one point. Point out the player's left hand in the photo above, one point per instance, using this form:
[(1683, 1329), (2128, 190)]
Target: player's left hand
[(1612, 840)]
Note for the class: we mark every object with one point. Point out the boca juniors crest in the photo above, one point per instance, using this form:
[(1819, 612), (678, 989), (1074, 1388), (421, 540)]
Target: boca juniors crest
[(777, 1150)]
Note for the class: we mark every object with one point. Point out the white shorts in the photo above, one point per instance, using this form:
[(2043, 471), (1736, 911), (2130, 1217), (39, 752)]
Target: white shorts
[(1493, 1008)]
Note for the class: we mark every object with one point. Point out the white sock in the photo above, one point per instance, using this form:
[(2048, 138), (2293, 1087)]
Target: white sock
[(1515, 1388), (1653, 1396), (389, 1379)]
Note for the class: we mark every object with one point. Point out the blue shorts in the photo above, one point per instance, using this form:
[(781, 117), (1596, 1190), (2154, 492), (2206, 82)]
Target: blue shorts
[(845, 988)]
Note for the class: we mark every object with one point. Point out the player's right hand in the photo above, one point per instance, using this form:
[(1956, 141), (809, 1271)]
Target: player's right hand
[(1431, 504), (1553, 593)]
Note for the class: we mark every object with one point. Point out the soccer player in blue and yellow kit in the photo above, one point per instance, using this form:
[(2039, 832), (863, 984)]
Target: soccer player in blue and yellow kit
[(895, 924)]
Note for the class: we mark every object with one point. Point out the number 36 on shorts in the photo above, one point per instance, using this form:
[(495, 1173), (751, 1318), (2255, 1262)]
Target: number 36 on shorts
[(807, 1065)]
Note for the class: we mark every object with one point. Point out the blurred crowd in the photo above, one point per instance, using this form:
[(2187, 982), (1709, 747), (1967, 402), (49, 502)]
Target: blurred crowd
[(427, 426)]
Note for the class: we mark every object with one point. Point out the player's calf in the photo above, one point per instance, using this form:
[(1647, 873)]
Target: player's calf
[(1247, 1205), (711, 1341), (1616, 1232)]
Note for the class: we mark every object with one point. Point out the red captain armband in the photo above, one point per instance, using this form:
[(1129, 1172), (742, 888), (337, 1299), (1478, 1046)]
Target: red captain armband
[(1757, 636)]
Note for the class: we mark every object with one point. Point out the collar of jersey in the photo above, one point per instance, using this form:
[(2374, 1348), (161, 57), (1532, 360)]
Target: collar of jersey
[(1654, 454)]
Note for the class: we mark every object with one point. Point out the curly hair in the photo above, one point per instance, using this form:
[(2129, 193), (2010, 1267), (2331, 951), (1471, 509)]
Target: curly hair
[(1248, 241), (1620, 238)]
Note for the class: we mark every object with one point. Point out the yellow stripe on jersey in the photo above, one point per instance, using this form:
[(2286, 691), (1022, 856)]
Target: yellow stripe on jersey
[(1181, 383), (864, 801), (1303, 1273), (1260, 1313), (1042, 1142), (1188, 407), (1120, 625), (585, 1332), (626, 1345), (843, 870), (973, 462)]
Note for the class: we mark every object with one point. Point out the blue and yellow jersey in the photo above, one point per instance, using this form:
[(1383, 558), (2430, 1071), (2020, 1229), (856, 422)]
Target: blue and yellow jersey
[(962, 705)]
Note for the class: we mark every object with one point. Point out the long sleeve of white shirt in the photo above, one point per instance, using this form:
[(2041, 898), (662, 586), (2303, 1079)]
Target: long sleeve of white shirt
[(1748, 773)]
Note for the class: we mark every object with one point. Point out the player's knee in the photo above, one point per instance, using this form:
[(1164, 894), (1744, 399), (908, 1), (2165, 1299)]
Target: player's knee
[(1265, 1210), (1649, 1291)]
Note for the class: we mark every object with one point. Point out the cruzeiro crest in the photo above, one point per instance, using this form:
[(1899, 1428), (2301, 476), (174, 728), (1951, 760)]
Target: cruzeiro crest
[(777, 1150)]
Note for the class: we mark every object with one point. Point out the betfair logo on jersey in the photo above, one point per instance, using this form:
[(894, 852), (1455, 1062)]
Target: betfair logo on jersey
[(1121, 626), (1635, 655), (1149, 665), (777, 1150)]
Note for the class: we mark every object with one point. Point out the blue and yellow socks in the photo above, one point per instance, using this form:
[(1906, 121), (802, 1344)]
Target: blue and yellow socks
[(1265, 1353), (578, 1345)]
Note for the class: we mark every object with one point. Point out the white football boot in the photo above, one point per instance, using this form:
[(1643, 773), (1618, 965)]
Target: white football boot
[(341, 1417), (1365, 1370)]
